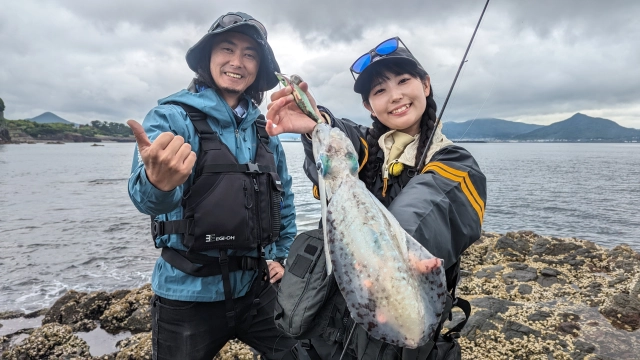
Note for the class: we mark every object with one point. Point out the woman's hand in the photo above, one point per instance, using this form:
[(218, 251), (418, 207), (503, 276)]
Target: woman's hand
[(284, 113)]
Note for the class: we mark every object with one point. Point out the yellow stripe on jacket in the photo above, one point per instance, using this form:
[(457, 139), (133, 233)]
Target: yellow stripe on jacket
[(465, 184)]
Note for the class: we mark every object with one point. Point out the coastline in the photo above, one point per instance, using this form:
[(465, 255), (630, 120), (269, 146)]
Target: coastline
[(73, 139), (531, 295)]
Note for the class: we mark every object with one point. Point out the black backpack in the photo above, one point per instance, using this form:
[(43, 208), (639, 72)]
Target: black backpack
[(309, 306)]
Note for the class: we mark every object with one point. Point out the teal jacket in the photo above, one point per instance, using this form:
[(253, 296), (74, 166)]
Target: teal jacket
[(242, 140)]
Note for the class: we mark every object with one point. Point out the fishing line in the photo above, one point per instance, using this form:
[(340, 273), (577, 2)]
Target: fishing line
[(346, 343), (426, 149), (478, 113)]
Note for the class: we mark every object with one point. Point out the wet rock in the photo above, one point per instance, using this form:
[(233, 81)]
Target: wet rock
[(539, 315), (116, 317), (584, 347), (617, 280), (489, 272), (623, 311), (139, 321), (494, 305), (507, 244), (528, 274), (84, 326), (558, 248), (74, 307), (547, 281), (136, 347), (512, 329), (570, 328), (549, 272), (517, 266), (51, 341), (465, 273), (566, 316), (549, 277), (525, 289), (236, 350), (593, 289), (479, 323), (5, 315), (625, 258), (491, 258), (62, 311), (540, 247), (557, 339), (35, 314), (574, 262)]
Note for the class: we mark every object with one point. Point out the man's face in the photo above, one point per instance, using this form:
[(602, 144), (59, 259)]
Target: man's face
[(234, 63)]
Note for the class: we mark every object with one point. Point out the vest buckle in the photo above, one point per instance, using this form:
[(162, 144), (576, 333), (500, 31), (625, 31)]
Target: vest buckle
[(157, 228), (252, 168)]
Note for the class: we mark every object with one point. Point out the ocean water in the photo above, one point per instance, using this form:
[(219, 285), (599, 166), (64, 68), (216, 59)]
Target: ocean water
[(66, 221)]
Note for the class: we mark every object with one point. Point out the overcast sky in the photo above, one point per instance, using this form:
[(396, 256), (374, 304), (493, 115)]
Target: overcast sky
[(535, 61)]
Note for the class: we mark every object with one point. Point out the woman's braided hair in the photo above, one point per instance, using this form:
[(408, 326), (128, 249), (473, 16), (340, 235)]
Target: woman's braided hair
[(427, 123)]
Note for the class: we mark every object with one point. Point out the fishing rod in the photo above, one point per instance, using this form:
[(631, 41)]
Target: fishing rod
[(426, 148)]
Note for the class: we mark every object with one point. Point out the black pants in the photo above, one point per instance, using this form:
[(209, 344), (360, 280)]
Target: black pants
[(198, 330)]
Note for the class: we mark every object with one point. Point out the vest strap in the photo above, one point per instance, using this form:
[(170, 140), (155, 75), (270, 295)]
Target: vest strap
[(201, 265), (261, 126), (160, 228), (240, 168)]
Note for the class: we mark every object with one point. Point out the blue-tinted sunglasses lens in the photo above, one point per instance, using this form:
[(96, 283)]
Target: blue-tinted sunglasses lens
[(387, 47), (361, 63)]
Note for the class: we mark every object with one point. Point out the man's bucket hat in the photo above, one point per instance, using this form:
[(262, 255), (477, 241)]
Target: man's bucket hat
[(247, 25)]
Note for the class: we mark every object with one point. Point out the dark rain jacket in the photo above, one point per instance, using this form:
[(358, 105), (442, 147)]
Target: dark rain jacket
[(441, 208)]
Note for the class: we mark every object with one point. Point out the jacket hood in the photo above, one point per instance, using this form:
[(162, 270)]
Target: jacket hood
[(210, 103)]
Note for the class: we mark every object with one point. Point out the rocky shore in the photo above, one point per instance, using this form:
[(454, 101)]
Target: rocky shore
[(533, 297)]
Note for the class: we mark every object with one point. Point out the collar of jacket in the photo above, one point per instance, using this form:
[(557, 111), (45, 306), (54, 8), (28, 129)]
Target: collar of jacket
[(408, 156), (209, 102)]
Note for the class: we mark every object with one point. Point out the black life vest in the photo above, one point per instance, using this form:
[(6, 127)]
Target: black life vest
[(229, 205)]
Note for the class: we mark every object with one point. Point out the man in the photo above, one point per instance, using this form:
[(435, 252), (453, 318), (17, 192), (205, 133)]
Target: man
[(219, 194)]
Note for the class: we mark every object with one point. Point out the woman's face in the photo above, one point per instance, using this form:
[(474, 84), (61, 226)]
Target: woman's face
[(399, 102)]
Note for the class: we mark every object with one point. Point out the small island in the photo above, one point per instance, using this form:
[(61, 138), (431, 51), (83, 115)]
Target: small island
[(49, 128)]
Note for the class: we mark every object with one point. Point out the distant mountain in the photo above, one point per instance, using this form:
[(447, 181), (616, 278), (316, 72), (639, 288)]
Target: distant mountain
[(581, 127), (486, 129), (48, 118)]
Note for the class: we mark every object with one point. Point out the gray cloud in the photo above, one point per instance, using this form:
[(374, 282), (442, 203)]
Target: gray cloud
[(537, 61)]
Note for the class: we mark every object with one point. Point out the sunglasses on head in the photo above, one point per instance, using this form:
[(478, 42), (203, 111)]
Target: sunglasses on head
[(232, 19), (383, 49)]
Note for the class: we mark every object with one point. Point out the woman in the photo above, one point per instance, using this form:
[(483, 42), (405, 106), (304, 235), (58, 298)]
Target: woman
[(441, 204)]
